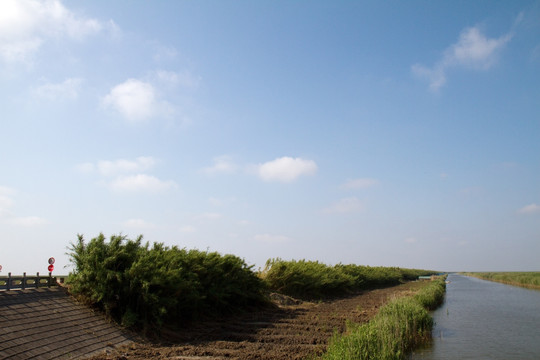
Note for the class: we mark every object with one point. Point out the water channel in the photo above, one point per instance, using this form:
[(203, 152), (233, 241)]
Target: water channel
[(485, 320)]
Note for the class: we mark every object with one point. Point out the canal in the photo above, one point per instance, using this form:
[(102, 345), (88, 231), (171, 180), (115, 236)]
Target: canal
[(485, 320)]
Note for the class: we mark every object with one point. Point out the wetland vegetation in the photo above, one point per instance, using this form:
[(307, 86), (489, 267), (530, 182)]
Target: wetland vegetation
[(525, 279), (152, 287)]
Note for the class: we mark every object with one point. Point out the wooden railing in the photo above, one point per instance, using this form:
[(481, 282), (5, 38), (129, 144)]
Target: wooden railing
[(25, 282)]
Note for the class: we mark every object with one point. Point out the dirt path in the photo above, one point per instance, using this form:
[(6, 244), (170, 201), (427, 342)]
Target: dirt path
[(288, 331)]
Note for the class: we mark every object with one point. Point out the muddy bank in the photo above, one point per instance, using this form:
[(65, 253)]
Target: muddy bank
[(290, 330)]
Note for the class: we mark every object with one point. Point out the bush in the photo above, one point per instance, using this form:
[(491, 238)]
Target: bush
[(139, 285)]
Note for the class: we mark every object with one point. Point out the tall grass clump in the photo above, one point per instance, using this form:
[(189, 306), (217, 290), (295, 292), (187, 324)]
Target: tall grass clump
[(148, 286), (398, 328), (312, 279)]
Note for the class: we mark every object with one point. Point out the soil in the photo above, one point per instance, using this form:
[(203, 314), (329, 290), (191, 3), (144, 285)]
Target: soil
[(291, 329)]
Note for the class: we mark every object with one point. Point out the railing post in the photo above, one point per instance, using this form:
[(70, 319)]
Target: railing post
[(23, 285), (9, 282), (37, 280)]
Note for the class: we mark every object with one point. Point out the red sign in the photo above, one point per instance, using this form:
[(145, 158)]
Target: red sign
[(51, 261), (51, 267), (0, 267)]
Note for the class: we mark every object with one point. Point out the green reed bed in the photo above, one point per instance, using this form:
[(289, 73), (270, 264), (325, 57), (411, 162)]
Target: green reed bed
[(524, 279), (314, 280), (398, 328)]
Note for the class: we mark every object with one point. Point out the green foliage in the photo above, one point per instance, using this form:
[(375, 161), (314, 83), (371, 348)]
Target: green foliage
[(312, 279), (306, 279), (139, 285), (399, 327), (524, 279)]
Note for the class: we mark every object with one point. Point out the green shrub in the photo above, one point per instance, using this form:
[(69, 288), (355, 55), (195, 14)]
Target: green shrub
[(139, 285)]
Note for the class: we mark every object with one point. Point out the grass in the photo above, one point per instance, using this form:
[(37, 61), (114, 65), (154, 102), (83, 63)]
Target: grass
[(398, 328), (524, 279)]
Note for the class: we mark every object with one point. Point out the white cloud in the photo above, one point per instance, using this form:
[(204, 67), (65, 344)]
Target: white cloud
[(136, 101), (286, 169), (142, 163), (26, 24), (346, 205), (268, 238), (529, 209), (140, 182), (361, 183), (68, 89), (128, 175), (120, 166), (222, 164), (26, 221), (138, 224), (473, 50)]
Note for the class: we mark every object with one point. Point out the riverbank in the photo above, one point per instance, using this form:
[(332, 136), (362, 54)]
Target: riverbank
[(290, 329), (530, 280), (400, 326)]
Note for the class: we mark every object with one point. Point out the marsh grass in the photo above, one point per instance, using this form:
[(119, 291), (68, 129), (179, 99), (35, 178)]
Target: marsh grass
[(398, 328), (524, 279)]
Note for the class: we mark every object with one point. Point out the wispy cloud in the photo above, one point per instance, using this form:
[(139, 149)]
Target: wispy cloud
[(473, 50), (411, 240), (128, 175), (67, 90), (138, 224), (346, 205), (140, 182), (222, 164), (8, 217), (529, 209), (360, 183), (183, 79), (188, 229), (285, 169), (272, 239), (120, 166), (208, 216), (25, 25), (142, 163)]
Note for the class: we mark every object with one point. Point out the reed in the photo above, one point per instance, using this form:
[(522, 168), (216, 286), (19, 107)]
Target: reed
[(529, 280), (398, 328), (312, 279)]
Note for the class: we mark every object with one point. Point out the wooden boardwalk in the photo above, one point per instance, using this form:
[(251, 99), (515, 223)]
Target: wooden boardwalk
[(46, 323)]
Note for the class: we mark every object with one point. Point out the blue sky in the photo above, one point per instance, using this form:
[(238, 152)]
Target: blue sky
[(377, 133)]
